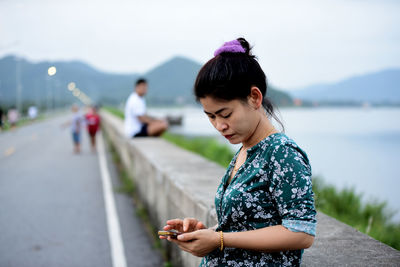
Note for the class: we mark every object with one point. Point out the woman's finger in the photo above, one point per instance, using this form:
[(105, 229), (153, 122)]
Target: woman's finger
[(200, 225), (189, 224), (186, 223), (172, 227), (187, 236), (175, 222)]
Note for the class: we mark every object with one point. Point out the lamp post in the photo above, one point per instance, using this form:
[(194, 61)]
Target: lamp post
[(18, 85), (51, 72)]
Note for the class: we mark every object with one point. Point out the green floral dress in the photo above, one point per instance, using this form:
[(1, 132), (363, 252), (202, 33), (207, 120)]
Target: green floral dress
[(273, 187)]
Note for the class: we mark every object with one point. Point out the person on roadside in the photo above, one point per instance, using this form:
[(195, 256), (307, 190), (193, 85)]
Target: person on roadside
[(137, 123), (264, 203), (93, 125), (76, 124), (13, 117), (32, 113)]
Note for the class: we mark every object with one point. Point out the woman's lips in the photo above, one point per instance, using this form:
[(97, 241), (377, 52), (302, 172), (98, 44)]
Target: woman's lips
[(229, 136)]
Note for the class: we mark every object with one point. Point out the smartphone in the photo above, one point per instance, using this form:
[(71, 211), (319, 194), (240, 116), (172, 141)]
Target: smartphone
[(172, 233)]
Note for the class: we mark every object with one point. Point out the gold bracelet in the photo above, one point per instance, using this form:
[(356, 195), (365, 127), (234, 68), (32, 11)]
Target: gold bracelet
[(221, 234)]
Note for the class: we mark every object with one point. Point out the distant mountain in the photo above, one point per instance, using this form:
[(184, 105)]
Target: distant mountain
[(375, 88), (37, 87), (170, 83)]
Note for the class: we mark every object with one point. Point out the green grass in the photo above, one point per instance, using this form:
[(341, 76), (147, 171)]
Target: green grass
[(370, 217), (117, 112), (346, 205), (207, 147), (22, 121)]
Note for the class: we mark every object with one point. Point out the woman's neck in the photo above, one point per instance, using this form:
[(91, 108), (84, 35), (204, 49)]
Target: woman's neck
[(263, 129)]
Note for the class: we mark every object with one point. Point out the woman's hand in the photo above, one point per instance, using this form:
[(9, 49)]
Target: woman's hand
[(186, 225), (199, 243)]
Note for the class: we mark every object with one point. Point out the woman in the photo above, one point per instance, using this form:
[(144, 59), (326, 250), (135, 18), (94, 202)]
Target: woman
[(264, 204)]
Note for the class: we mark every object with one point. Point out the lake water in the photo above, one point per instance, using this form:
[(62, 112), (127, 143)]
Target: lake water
[(348, 147)]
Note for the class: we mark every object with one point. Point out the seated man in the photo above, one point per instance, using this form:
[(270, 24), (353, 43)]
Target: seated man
[(137, 123)]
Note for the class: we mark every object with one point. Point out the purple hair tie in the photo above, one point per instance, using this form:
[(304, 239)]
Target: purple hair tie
[(230, 47)]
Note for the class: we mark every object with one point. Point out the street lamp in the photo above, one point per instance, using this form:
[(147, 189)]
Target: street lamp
[(51, 72), (71, 86)]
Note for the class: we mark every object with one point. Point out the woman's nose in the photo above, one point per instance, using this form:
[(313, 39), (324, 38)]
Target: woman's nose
[(221, 126)]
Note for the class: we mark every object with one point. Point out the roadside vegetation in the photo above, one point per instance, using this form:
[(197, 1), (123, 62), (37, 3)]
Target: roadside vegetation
[(21, 122), (346, 205), (207, 147), (116, 112), (370, 217)]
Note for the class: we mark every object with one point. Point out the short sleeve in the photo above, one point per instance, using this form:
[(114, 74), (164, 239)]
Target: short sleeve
[(291, 188)]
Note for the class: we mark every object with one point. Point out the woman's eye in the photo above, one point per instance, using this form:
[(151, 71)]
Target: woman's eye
[(227, 116)]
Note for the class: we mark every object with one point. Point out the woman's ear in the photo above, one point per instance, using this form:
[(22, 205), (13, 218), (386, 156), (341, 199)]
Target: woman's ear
[(255, 97)]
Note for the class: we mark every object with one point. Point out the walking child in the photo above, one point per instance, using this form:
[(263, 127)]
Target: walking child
[(76, 125), (93, 124)]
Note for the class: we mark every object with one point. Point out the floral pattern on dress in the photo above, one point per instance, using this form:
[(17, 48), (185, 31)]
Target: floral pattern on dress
[(272, 187)]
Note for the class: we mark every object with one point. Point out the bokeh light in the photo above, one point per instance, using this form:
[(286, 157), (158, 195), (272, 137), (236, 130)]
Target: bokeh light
[(52, 70)]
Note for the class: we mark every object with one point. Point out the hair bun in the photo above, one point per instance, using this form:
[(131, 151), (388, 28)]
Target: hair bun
[(233, 46), (246, 46)]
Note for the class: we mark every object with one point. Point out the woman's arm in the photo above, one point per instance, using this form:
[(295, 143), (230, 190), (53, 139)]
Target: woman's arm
[(268, 239)]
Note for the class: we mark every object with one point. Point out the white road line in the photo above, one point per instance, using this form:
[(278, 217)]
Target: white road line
[(114, 232)]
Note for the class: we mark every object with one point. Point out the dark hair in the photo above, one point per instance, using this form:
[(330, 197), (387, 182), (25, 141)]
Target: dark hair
[(230, 75), (140, 81)]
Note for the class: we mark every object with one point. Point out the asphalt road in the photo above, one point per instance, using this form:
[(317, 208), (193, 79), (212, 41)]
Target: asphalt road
[(52, 205)]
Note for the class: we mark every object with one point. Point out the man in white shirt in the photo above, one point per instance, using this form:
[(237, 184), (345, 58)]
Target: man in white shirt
[(32, 112), (137, 123)]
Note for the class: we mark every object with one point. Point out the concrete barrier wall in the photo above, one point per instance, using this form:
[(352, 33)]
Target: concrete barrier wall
[(175, 183)]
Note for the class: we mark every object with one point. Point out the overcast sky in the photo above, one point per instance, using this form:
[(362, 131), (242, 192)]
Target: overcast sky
[(298, 43)]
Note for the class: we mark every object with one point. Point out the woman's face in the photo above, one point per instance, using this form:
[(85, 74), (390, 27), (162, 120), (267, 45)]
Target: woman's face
[(233, 119)]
